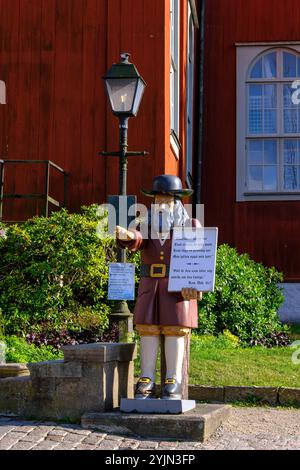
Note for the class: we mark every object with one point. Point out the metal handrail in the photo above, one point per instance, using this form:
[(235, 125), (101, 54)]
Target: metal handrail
[(36, 161), (46, 196)]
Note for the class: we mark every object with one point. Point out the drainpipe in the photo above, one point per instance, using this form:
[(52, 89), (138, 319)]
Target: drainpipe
[(199, 151)]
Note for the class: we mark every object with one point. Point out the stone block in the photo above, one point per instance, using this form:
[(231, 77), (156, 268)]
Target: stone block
[(14, 393), (206, 393), (11, 369), (43, 388), (100, 352), (256, 394), (195, 425), (160, 406), (289, 396), (58, 368)]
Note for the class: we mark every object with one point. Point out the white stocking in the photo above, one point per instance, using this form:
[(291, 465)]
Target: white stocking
[(148, 353), (174, 352)]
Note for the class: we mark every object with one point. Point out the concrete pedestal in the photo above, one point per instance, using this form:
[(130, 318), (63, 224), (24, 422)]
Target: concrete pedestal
[(195, 425), (159, 406)]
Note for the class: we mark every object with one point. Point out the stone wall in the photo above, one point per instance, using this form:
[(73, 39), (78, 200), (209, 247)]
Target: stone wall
[(91, 377)]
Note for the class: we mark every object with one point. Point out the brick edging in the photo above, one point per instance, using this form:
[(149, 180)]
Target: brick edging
[(231, 393), (228, 394)]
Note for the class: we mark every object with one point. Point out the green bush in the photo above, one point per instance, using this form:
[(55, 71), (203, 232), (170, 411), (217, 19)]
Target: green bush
[(2, 325), (245, 300), (18, 350), (54, 272)]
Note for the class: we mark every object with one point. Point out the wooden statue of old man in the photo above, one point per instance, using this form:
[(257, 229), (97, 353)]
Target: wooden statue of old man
[(157, 311)]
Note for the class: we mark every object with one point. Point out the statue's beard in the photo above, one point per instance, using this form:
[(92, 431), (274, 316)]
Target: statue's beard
[(162, 221)]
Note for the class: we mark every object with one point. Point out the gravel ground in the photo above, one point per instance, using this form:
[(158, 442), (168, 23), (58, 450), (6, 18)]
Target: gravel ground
[(247, 428)]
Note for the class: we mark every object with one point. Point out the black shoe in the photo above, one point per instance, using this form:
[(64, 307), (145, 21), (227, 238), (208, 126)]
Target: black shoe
[(145, 388), (171, 390)]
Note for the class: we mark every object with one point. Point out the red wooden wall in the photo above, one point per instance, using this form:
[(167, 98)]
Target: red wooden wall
[(269, 231), (53, 54)]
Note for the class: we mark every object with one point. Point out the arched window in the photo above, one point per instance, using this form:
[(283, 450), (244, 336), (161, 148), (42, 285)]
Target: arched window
[(271, 126)]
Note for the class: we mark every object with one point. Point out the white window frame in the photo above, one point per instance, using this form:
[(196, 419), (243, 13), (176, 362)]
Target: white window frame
[(190, 96), (246, 56), (2, 92), (174, 73)]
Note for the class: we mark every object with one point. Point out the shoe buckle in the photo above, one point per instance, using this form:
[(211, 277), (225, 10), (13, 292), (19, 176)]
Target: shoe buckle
[(170, 381), (144, 380)]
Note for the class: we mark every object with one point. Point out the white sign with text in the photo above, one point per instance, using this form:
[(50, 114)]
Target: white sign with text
[(121, 281), (193, 259)]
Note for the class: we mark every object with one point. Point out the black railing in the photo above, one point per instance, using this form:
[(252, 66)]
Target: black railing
[(47, 198)]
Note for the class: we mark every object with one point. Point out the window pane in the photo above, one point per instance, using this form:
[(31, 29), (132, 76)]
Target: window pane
[(255, 112), (255, 122), (289, 65), (270, 124), (290, 121), (256, 71), (290, 177), (290, 152), (255, 178), (269, 65), (287, 96), (298, 67), (270, 152), (255, 152), (172, 98), (265, 67), (270, 178), (270, 98), (255, 96)]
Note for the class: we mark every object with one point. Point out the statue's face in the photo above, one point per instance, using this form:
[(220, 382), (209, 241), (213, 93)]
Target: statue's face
[(162, 213), (164, 202)]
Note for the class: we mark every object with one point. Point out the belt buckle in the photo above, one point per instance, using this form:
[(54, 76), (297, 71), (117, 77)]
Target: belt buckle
[(163, 268)]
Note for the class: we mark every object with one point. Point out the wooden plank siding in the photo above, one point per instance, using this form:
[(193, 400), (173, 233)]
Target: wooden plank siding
[(53, 54), (268, 231)]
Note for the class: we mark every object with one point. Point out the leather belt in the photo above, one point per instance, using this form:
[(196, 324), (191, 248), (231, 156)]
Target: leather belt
[(155, 270)]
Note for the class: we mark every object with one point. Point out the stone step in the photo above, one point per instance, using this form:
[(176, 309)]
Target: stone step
[(195, 425), (11, 369)]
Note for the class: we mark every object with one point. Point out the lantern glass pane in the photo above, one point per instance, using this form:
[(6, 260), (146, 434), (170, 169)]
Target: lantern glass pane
[(121, 93), (138, 96)]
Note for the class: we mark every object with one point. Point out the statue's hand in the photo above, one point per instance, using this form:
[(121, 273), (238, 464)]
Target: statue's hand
[(123, 233), (191, 294)]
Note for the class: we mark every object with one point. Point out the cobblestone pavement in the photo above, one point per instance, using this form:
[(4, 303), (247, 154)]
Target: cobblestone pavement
[(247, 428)]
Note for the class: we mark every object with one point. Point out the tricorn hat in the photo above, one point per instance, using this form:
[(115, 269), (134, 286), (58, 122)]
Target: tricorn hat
[(167, 184)]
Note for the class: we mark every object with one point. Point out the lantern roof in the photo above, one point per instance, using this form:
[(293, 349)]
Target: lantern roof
[(123, 69)]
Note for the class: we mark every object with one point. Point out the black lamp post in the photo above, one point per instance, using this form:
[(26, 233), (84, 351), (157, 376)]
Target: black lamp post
[(125, 88)]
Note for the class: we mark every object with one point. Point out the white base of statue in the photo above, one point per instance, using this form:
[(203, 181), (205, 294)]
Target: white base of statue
[(153, 405)]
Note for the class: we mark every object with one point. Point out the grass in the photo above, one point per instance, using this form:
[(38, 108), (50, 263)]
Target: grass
[(219, 361), (259, 366)]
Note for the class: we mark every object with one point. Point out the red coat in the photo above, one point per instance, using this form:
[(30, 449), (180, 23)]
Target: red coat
[(155, 305)]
